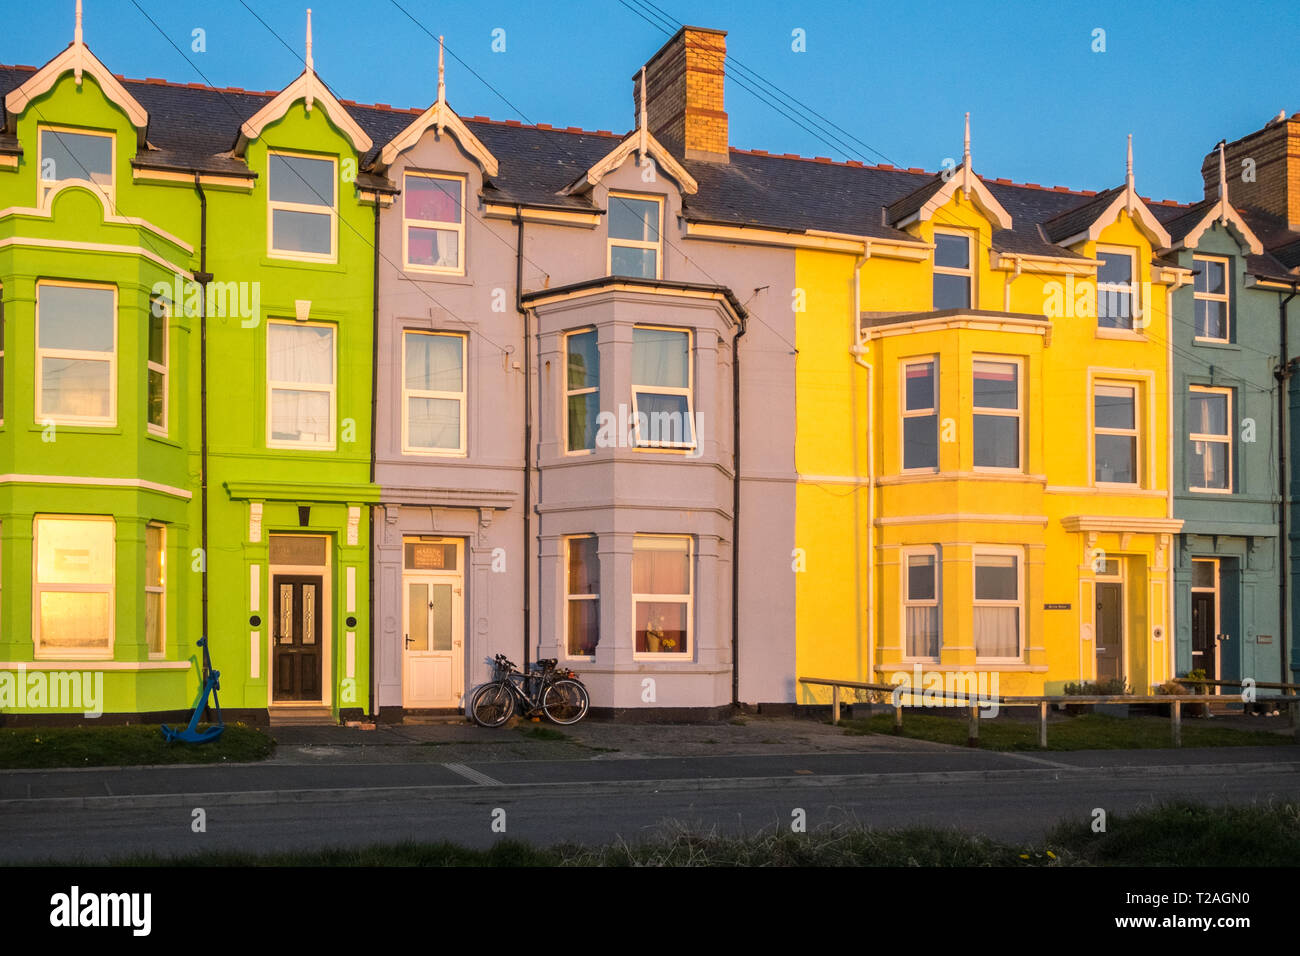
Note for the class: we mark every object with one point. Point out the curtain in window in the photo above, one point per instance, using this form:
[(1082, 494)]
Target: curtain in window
[(661, 566), (300, 355), (997, 632), (660, 358), (923, 631), (433, 247)]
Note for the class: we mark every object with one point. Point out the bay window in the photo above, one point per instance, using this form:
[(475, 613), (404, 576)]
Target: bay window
[(921, 604), (996, 425), (72, 590), (662, 388), (76, 354), (920, 414), (662, 595), (998, 608), (155, 589), (581, 595), (581, 389), (301, 389)]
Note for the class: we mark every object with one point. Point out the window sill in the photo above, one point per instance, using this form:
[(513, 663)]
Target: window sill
[(80, 428), (301, 448), (1123, 335), (1210, 491), (431, 275), (163, 440), (649, 658), (1216, 344), (288, 262), (453, 455)]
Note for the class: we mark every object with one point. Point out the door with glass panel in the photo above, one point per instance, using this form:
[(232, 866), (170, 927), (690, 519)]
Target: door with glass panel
[(296, 631), (1205, 618), (433, 670)]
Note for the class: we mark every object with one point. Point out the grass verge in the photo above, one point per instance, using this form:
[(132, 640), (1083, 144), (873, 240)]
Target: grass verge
[(1177, 834), (1085, 732), (127, 745)]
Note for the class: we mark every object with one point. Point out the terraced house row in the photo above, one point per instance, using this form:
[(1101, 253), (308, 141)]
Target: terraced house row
[(368, 395)]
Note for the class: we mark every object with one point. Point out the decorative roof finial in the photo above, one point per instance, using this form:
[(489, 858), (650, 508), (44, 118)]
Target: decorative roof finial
[(1223, 185), (309, 61), (77, 41), (442, 74), (965, 159), (641, 120), (1128, 175)]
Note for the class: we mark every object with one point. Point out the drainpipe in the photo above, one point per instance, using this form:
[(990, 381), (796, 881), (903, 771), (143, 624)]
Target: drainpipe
[(735, 513), (203, 277), (374, 421), (1284, 373), (528, 430), (858, 350)]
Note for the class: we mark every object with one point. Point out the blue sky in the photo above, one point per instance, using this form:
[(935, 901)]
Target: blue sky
[(896, 76)]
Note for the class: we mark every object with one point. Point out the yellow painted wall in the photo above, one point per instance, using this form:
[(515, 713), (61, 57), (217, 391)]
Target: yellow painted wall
[(843, 527)]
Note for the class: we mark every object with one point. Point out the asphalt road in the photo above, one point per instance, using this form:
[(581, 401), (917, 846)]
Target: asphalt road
[(93, 815)]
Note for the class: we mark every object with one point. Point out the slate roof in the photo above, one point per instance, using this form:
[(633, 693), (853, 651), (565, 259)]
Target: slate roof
[(194, 128), (1074, 221)]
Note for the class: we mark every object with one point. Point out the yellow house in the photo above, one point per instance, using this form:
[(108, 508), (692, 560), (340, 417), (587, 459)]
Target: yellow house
[(983, 470)]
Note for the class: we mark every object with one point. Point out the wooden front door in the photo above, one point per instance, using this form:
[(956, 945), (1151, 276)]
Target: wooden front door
[(433, 654), (297, 632), (1110, 630)]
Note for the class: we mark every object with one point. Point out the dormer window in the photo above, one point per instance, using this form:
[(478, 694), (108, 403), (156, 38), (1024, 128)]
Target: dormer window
[(954, 276), (68, 154), (301, 209), (434, 223), (1116, 289), (635, 236)]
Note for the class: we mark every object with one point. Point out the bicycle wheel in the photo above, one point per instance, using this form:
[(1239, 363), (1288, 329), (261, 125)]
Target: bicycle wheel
[(492, 705), (565, 701)]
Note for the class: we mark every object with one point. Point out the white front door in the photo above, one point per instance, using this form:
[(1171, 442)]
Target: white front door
[(433, 671)]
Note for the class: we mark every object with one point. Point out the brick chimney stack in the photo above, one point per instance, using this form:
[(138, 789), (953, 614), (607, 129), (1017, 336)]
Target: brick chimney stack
[(684, 94), (1270, 181)]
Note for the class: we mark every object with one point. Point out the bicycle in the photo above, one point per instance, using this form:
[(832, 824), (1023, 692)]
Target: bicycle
[(545, 689)]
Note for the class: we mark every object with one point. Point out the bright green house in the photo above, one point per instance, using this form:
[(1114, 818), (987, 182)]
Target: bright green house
[(187, 378)]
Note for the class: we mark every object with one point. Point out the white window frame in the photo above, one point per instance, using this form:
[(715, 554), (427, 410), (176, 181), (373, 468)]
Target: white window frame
[(688, 600), (46, 186), (1018, 413), (38, 588), (927, 551), (272, 205), (160, 590), (1134, 432), (1223, 439), (570, 596), (110, 358), (968, 272), (152, 366), (982, 551), (643, 444), (611, 242), (331, 389), (906, 413), (1225, 297), (458, 228), (570, 392), (1132, 288), (461, 397), (2, 355)]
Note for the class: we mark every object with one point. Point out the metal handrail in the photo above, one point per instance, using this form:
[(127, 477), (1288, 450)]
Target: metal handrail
[(974, 704)]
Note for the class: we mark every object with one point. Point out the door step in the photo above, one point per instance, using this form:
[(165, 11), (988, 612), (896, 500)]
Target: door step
[(302, 717)]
